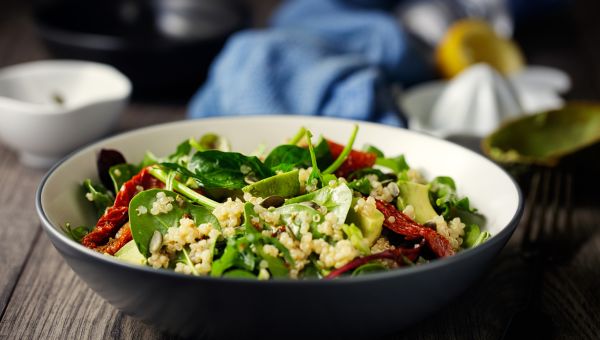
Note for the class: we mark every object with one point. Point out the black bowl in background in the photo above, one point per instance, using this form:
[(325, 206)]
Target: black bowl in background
[(129, 36)]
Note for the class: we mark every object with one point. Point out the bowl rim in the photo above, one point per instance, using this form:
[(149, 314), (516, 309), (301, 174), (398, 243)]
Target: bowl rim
[(90, 254)]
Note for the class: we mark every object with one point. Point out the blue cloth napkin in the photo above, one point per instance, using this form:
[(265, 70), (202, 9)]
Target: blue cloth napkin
[(319, 57)]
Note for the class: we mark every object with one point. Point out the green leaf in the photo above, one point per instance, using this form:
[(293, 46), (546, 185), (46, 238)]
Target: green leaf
[(396, 164), (367, 268), (239, 274), (98, 195), (122, 173), (286, 157), (276, 265), (184, 257), (76, 233), (291, 215), (181, 154), (446, 202), (227, 260), (362, 185), (218, 169), (336, 199), (372, 149), (143, 225)]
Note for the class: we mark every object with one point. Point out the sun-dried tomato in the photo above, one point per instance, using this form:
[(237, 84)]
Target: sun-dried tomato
[(115, 216), (114, 244), (356, 159), (401, 224)]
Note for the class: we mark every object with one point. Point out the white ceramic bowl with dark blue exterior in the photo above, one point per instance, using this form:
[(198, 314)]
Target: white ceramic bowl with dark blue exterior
[(368, 305)]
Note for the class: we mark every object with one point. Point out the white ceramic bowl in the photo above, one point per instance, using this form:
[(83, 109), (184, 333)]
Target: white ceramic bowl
[(367, 305), (49, 108)]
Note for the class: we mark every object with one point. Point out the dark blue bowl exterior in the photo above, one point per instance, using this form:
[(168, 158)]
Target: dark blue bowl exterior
[(193, 307)]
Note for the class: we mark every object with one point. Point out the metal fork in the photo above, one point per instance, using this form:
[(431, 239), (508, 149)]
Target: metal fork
[(546, 226)]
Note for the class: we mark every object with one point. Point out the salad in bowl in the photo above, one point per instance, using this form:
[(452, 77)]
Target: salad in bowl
[(307, 208), (304, 236)]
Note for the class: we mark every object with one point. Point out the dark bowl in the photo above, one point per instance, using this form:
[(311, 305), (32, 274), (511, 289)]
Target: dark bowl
[(160, 66), (365, 306)]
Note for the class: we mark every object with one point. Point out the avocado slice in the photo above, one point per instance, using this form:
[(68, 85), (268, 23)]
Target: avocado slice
[(417, 195), (130, 253), (370, 224), (285, 185)]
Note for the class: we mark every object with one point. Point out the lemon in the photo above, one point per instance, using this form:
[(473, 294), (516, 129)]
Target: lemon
[(472, 41)]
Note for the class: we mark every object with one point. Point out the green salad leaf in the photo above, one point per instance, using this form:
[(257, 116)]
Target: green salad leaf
[(143, 223), (229, 170), (446, 202), (336, 199), (98, 195)]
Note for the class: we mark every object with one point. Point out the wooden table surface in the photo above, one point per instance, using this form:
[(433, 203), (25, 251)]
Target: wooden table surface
[(41, 298)]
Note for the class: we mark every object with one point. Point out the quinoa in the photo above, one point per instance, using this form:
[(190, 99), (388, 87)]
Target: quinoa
[(229, 213), (162, 204), (452, 231)]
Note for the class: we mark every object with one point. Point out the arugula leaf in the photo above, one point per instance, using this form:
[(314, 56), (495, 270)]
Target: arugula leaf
[(218, 169), (143, 225), (98, 195)]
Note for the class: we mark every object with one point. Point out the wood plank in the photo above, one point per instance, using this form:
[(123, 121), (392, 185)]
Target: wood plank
[(52, 303), (18, 221)]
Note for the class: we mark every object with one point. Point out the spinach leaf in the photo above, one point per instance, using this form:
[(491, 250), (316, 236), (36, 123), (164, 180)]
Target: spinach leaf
[(396, 164), (286, 157), (336, 199), (144, 224), (367, 171), (121, 173), (251, 228), (228, 170), (292, 216), (98, 195), (446, 201)]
